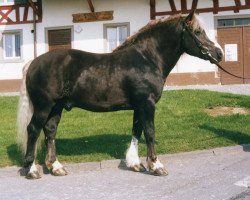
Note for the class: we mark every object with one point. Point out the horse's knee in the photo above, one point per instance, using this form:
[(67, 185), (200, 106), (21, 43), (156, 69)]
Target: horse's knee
[(32, 130), (50, 129)]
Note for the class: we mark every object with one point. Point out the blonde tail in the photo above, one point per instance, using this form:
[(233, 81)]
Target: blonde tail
[(25, 112)]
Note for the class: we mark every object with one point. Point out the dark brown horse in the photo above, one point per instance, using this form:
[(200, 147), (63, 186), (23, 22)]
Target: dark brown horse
[(130, 78)]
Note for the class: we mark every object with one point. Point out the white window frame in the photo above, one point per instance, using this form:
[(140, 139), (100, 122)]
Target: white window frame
[(114, 25), (14, 58)]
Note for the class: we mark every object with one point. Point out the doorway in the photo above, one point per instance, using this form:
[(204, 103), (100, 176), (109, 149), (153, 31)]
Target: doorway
[(234, 38)]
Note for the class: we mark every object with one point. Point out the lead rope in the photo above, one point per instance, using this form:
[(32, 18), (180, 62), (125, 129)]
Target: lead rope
[(214, 61)]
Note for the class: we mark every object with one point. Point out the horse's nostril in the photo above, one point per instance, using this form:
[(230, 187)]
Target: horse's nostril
[(220, 54)]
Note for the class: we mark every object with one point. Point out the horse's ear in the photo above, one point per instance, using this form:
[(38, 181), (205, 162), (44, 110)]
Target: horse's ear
[(190, 17)]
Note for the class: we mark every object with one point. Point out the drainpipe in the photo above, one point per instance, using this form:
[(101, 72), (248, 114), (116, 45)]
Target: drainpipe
[(34, 32)]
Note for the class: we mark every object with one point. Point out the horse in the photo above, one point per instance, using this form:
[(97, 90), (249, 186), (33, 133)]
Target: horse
[(131, 77)]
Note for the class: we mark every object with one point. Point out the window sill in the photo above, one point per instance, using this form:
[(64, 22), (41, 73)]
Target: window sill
[(12, 61)]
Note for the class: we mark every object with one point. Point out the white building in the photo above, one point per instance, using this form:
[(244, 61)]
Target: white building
[(99, 31)]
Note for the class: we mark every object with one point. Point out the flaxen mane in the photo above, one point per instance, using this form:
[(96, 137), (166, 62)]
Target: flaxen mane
[(155, 23)]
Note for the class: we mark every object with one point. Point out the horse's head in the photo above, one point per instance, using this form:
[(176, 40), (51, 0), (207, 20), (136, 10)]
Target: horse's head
[(195, 41)]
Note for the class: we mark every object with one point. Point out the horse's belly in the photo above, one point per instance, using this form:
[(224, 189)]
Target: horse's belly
[(103, 101), (104, 106)]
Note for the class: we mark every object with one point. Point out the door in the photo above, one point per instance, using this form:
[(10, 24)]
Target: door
[(236, 45), (59, 39)]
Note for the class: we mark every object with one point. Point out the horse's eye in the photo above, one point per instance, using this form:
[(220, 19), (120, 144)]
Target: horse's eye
[(197, 32)]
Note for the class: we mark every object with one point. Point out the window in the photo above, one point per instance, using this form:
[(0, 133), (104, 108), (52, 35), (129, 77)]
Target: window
[(11, 45), (233, 22), (6, 2), (115, 34)]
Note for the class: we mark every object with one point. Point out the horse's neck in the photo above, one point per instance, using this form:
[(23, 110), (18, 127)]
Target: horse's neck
[(164, 53), (170, 57)]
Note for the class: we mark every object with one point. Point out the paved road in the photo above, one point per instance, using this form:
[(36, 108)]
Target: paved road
[(218, 174)]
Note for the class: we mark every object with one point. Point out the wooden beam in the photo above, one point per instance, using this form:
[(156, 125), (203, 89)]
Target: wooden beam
[(216, 6), (204, 10), (93, 16), (152, 9), (40, 8), (26, 12), (247, 2), (31, 3), (4, 16), (237, 4), (172, 5), (21, 17), (194, 4), (183, 5), (91, 5), (17, 14)]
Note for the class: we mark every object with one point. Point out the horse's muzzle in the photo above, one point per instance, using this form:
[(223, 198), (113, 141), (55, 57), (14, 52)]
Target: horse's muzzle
[(220, 54)]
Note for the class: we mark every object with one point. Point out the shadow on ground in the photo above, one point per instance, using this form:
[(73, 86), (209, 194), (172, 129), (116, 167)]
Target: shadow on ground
[(113, 145), (235, 136)]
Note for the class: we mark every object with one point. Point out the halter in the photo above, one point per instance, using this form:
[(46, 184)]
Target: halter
[(204, 50)]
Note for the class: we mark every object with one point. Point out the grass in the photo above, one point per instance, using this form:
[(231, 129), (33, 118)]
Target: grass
[(181, 125)]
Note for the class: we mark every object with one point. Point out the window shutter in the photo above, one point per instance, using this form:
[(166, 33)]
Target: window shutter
[(59, 39)]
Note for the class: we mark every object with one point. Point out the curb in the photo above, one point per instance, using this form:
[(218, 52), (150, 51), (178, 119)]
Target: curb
[(15, 171), (8, 94)]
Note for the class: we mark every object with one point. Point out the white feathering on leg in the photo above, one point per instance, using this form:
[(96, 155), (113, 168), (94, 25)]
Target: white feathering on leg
[(155, 165), (56, 165), (33, 168), (132, 157)]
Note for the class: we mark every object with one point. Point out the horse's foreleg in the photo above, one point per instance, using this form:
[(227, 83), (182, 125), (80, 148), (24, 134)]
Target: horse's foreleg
[(132, 158), (147, 112), (50, 129)]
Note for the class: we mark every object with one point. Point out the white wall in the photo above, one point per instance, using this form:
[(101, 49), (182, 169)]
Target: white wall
[(91, 36), (58, 13), (13, 70)]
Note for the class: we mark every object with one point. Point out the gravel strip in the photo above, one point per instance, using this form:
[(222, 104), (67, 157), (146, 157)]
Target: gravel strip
[(243, 89), (9, 94)]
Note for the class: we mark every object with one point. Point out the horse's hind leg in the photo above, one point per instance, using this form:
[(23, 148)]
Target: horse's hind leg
[(50, 129), (34, 128), (132, 158)]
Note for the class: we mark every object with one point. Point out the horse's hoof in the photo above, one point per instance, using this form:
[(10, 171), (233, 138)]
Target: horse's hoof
[(138, 168), (33, 175), (60, 172), (160, 172), (157, 168)]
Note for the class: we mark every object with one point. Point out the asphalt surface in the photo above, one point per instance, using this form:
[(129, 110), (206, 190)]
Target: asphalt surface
[(220, 174)]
